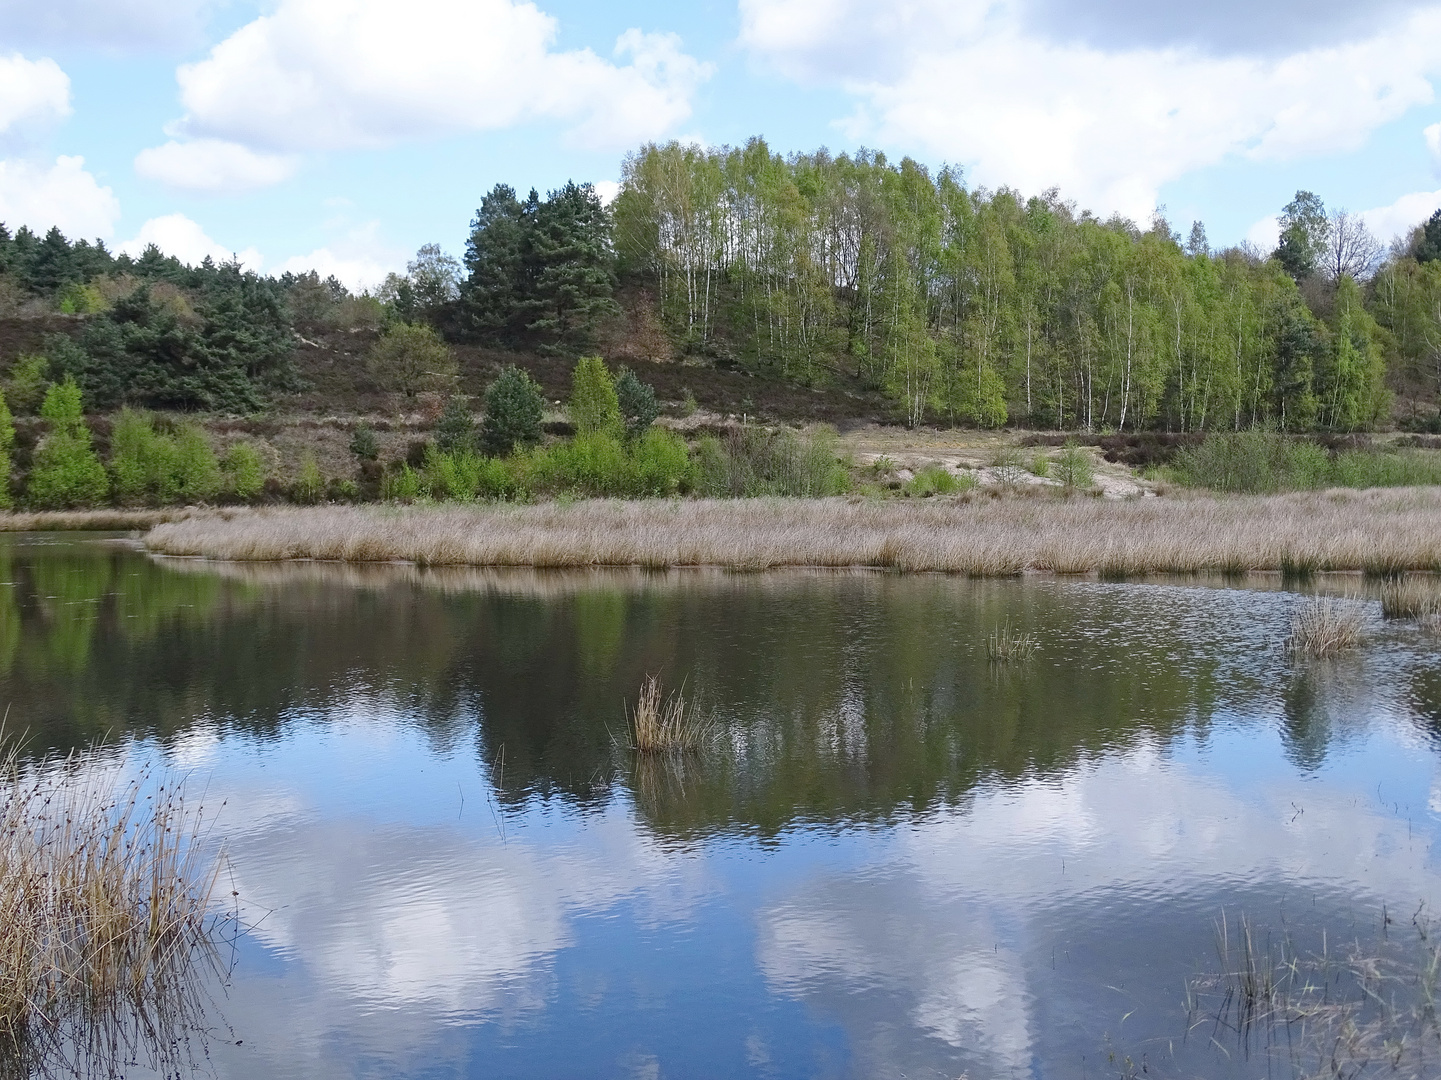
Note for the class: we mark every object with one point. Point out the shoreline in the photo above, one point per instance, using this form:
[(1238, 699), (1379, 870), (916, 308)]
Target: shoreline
[(1378, 532)]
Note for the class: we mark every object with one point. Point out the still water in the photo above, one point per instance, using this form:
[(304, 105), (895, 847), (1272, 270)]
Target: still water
[(897, 861)]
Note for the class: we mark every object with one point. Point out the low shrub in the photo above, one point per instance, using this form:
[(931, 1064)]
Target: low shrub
[(244, 471), (752, 461), (150, 468), (1260, 462), (938, 480)]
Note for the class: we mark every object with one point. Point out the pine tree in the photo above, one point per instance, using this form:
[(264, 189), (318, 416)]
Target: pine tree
[(513, 410)]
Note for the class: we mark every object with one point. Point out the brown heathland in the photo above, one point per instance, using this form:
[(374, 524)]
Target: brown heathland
[(1378, 531)]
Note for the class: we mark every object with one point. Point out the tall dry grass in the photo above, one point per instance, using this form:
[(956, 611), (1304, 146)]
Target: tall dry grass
[(666, 723), (105, 919), (1325, 627), (1381, 531), (95, 520)]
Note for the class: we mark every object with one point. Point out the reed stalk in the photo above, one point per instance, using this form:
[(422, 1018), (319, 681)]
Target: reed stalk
[(666, 723), (105, 918), (1325, 627), (1005, 645), (1408, 598)]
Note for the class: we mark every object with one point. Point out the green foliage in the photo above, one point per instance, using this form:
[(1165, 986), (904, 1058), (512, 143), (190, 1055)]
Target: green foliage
[(309, 484), (594, 405), (363, 443), (148, 467), (411, 357), (1260, 461), (7, 441), (1040, 465), (244, 471), (754, 461), (1073, 468), (65, 474), (401, 484), (28, 381), (598, 464), (638, 406), (62, 405), (513, 410), (80, 299), (539, 272), (660, 465), (938, 480), (1428, 243), (455, 430), (1304, 231)]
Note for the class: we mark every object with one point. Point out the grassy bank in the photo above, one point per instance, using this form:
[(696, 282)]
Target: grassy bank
[(1380, 532), (107, 520)]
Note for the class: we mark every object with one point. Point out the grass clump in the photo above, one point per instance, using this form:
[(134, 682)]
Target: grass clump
[(1324, 627), (751, 461), (1407, 598), (1262, 462), (666, 723), (105, 915), (1073, 468), (938, 480), (1006, 645)]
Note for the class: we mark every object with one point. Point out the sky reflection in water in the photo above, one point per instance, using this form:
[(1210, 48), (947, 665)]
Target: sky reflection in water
[(900, 862)]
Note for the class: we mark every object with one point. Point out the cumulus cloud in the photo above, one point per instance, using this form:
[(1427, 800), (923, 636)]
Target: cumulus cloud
[(1403, 215), (176, 234), (975, 83), (213, 166), (337, 74), (116, 25), (32, 92), (63, 194), (1433, 143)]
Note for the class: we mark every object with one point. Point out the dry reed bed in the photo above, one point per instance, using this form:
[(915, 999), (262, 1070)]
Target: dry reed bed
[(1379, 531), (94, 520), (105, 887)]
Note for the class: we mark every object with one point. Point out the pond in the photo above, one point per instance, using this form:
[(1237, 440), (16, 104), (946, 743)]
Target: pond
[(897, 859)]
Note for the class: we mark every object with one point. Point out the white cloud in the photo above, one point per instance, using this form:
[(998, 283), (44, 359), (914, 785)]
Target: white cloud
[(176, 234), (357, 272), (1433, 142), (62, 195), (1266, 233), (31, 92), (213, 166), (333, 74), (1398, 219), (607, 190), (972, 83)]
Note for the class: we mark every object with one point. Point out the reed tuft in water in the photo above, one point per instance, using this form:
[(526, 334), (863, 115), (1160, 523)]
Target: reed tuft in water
[(105, 916), (1324, 627), (1408, 598), (1006, 645), (666, 723)]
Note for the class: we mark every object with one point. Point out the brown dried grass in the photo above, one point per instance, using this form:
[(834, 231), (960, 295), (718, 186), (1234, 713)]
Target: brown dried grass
[(95, 520), (1378, 531), (105, 889), (666, 723), (1325, 627)]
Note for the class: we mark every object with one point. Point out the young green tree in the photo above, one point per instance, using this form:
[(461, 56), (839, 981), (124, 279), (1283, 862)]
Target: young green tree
[(1305, 230), (513, 410), (455, 430), (594, 406), (638, 406), (244, 471), (66, 473), (363, 443), (411, 357), (7, 441)]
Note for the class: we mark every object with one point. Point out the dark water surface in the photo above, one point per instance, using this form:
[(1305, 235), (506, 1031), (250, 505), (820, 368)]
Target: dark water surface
[(898, 861)]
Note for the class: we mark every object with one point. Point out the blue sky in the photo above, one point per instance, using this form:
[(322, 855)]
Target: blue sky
[(346, 133)]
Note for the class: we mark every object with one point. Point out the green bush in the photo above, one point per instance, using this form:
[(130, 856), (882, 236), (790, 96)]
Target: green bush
[(151, 468), (513, 409), (592, 464), (244, 471), (7, 441), (753, 461), (455, 430), (1073, 467), (401, 485), (309, 484), (938, 480), (28, 381), (66, 474), (363, 443), (62, 404), (638, 406), (594, 406), (1262, 461), (660, 465), (197, 471), (411, 357)]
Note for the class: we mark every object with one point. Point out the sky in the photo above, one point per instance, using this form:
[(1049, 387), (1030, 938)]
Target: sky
[(341, 135)]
